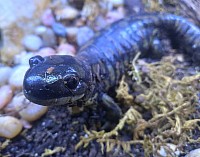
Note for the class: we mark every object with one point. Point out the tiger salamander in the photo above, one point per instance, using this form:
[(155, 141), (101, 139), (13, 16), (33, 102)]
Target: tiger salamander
[(101, 62)]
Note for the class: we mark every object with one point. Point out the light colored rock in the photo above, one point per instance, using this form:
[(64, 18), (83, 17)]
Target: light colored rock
[(67, 13), (100, 23), (39, 30), (116, 3), (46, 51), (26, 124), (33, 112), (8, 52), (47, 17), (10, 110), (113, 16), (17, 76), (66, 49), (71, 31), (5, 72), (169, 147), (27, 110), (32, 42), (194, 153), (5, 96), (9, 126), (84, 34), (23, 58), (47, 35), (18, 19), (12, 12), (59, 29)]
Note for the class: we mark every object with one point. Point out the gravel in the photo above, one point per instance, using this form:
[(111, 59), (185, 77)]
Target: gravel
[(32, 42), (47, 35), (47, 17), (85, 33), (59, 29), (5, 72), (17, 76)]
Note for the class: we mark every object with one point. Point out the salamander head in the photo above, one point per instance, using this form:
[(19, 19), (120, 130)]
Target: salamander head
[(55, 80)]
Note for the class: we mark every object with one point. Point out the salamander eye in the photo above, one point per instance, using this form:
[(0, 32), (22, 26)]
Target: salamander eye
[(71, 82), (35, 60)]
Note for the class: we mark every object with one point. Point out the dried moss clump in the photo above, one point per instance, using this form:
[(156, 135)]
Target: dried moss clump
[(162, 107), (157, 5)]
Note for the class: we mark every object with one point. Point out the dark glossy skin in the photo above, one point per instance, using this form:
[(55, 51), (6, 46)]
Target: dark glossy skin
[(52, 78), (100, 64)]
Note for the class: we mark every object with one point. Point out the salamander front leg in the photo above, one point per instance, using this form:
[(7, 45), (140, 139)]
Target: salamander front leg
[(114, 112)]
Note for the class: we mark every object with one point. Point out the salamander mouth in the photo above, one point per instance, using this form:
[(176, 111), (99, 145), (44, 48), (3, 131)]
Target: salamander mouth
[(55, 101)]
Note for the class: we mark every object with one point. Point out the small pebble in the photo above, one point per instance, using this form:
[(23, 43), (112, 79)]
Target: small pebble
[(67, 13), (23, 58), (27, 110), (71, 31), (66, 49), (26, 124), (5, 72), (80, 22), (73, 137), (114, 16), (140, 98), (9, 127), (39, 30), (32, 42), (47, 35), (46, 51), (5, 96), (84, 34), (47, 18), (194, 153), (17, 76), (8, 52), (10, 110), (180, 57), (116, 3), (59, 29), (100, 23), (169, 147)]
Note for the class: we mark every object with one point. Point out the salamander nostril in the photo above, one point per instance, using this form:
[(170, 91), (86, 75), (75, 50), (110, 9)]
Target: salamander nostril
[(35, 60)]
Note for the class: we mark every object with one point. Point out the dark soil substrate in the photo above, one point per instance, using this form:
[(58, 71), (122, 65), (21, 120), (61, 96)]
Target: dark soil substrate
[(58, 128)]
